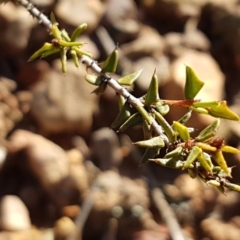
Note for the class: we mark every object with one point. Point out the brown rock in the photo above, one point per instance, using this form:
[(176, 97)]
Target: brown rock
[(14, 214), (106, 149), (169, 15), (71, 211), (9, 106), (183, 188), (196, 40), (76, 169), (159, 233), (64, 228), (30, 234), (217, 230), (43, 2), (47, 160), (91, 12), (220, 22), (15, 21), (64, 103), (148, 43), (121, 19), (32, 72), (3, 155), (176, 43), (121, 198), (109, 184)]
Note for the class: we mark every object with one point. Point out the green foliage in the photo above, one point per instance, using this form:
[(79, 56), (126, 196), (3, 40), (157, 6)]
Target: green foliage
[(200, 156), (152, 93), (129, 79), (110, 64), (63, 43), (193, 84)]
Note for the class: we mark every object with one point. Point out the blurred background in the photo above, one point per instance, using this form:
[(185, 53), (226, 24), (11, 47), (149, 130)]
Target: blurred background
[(64, 174)]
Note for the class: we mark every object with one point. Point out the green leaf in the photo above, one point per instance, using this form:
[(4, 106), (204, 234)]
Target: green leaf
[(155, 142), (206, 104), (181, 130), (205, 163), (74, 57), (152, 94), (135, 120), (193, 84), (121, 101), (110, 65), (199, 110), (149, 153), (208, 132), (70, 44), (185, 117), (229, 149), (147, 130), (222, 111), (52, 18), (122, 116), (93, 79), (146, 116), (78, 31), (64, 59), (162, 108), (168, 162), (217, 184), (192, 173), (232, 186), (45, 48), (166, 127), (56, 32), (50, 52), (129, 79), (65, 35), (192, 156), (220, 160), (81, 52), (174, 153), (214, 183)]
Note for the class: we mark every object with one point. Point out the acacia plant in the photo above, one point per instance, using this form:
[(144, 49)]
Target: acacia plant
[(201, 156)]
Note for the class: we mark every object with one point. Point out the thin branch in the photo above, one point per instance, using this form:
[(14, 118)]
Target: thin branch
[(90, 63), (43, 19), (167, 214)]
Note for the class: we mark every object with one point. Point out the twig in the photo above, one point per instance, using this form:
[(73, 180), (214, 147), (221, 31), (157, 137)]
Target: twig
[(43, 19), (90, 63), (84, 213), (111, 233), (167, 214)]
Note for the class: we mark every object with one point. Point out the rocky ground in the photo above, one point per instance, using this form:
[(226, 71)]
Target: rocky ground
[(63, 171)]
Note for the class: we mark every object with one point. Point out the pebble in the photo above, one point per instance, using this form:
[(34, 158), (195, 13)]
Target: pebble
[(14, 214)]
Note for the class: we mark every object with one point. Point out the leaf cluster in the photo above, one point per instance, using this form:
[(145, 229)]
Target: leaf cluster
[(63, 43), (201, 156)]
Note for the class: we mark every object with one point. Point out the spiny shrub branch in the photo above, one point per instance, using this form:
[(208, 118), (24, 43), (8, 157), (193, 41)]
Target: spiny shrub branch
[(201, 156)]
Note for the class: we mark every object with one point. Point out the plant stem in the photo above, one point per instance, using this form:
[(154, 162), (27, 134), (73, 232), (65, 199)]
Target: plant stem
[(43, 19), (135, 102), (90, 63)]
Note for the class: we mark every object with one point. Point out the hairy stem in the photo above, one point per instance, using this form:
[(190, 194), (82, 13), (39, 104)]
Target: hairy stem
[(90, 63), (43, 19)]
